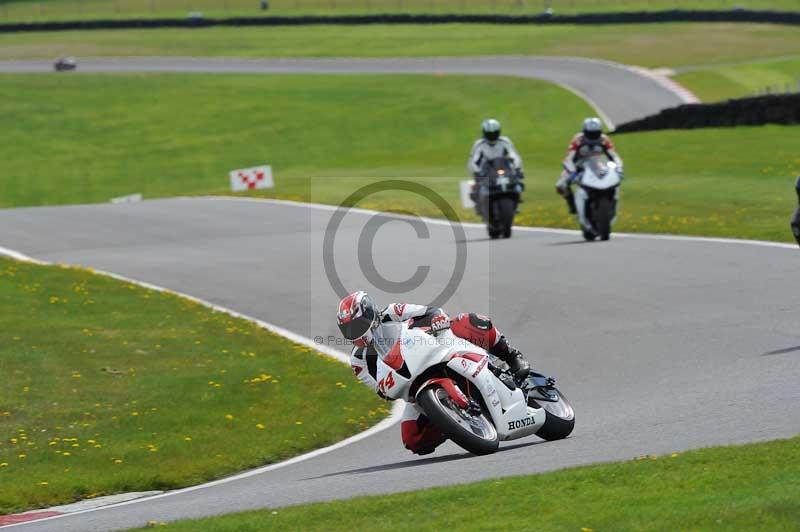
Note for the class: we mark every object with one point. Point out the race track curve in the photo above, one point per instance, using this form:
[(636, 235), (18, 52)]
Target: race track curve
[(661, 344), (618, 93)]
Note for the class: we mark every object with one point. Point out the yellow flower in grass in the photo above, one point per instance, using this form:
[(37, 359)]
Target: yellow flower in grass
[(260, 426), (117, 461), (66, 453), (4, 464), (44, 483), (229, 417)]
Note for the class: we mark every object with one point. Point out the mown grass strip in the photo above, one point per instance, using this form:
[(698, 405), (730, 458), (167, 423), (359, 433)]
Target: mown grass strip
[(653, 45), (108, 387), (748, 487)]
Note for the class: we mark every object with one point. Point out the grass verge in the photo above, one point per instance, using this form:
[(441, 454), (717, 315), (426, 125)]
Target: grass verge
[(99, 375), (327, 136), (749, 487), (654, 45), (743, 79)]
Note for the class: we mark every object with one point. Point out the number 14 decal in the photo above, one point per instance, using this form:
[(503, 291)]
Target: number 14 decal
[(387, 383)]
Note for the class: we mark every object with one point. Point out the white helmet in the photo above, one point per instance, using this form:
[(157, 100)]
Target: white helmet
[(491, 130), (592, 128)]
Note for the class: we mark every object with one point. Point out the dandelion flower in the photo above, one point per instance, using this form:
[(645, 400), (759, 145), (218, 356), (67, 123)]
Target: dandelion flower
[(260, 426), (44, 483), (4, 464), (117, 461), (229, 417)]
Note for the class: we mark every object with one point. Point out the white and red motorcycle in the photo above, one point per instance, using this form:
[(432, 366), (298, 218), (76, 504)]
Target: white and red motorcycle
[(597, 197), (464, 391)]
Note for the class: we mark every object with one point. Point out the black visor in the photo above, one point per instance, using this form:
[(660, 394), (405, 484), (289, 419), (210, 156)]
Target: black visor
[(593, 135), (358, 327), (491, 136)]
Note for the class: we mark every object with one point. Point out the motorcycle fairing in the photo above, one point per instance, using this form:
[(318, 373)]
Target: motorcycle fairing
[(511, 415)]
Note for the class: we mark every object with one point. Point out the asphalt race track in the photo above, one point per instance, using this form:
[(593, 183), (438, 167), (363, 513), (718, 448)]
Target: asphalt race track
[(661, 344), (617, 92)]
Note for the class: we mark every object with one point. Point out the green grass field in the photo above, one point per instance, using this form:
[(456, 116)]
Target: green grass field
[(653, 45), (108, 387), (36, 10), (105, 135), (780, 74), (750, 487)]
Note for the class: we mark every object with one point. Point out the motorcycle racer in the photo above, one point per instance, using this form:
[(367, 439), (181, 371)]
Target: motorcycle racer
[(590, 142), (491, 146), (359, 320)]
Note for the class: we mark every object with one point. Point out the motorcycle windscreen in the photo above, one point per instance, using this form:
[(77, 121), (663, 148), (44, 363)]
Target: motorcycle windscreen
[(386, 336), (599, 173)]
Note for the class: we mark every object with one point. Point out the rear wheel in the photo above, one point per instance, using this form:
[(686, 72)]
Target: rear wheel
[(560, 417), (471, 430), (603, 214)]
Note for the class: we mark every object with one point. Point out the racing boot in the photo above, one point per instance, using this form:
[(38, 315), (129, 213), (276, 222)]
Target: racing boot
[(570, 199), (520, 368)]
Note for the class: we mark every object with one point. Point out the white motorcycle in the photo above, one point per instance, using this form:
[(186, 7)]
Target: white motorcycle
[(463, 391), (597, 197)]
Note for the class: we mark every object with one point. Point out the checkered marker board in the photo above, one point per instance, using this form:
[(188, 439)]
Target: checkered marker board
[(251, 178)]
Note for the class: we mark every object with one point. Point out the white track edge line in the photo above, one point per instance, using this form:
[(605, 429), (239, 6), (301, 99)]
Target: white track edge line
[(527, 229), (384, 424)]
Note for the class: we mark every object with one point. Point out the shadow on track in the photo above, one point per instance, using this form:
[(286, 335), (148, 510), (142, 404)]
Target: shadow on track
[(569, 243), (781, 351), (421, 462)]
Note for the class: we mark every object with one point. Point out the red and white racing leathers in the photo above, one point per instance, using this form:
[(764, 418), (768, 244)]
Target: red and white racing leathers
[(418, 434), (581, 149)]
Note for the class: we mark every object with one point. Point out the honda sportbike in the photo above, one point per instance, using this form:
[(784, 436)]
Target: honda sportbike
[(597, 197), (465, 392), (498, 194)]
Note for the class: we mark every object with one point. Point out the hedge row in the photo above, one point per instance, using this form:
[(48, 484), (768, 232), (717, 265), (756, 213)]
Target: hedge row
[(755, 111), (638, 17)]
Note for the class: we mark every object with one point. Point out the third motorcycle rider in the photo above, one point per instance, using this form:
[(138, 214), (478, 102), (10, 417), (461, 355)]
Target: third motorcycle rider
[(590, 142)]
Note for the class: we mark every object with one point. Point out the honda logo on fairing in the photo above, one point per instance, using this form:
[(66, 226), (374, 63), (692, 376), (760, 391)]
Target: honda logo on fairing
[(519, 423)]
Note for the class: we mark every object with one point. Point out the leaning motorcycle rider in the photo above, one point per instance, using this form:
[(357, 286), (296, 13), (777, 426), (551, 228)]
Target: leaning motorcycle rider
[(590, 142), (360, 321), (492, 145)]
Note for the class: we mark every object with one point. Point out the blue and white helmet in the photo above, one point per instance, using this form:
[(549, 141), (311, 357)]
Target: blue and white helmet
[(592, 128)]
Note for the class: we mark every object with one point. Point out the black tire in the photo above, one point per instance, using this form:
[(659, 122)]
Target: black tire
[(505, 215), (432, 403), (796, 225), (603, 213), (560, 418)]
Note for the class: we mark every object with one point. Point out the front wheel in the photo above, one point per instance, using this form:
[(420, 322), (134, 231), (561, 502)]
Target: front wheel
[(560, 417), (505, 215), (603, 214), (471, 430)]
